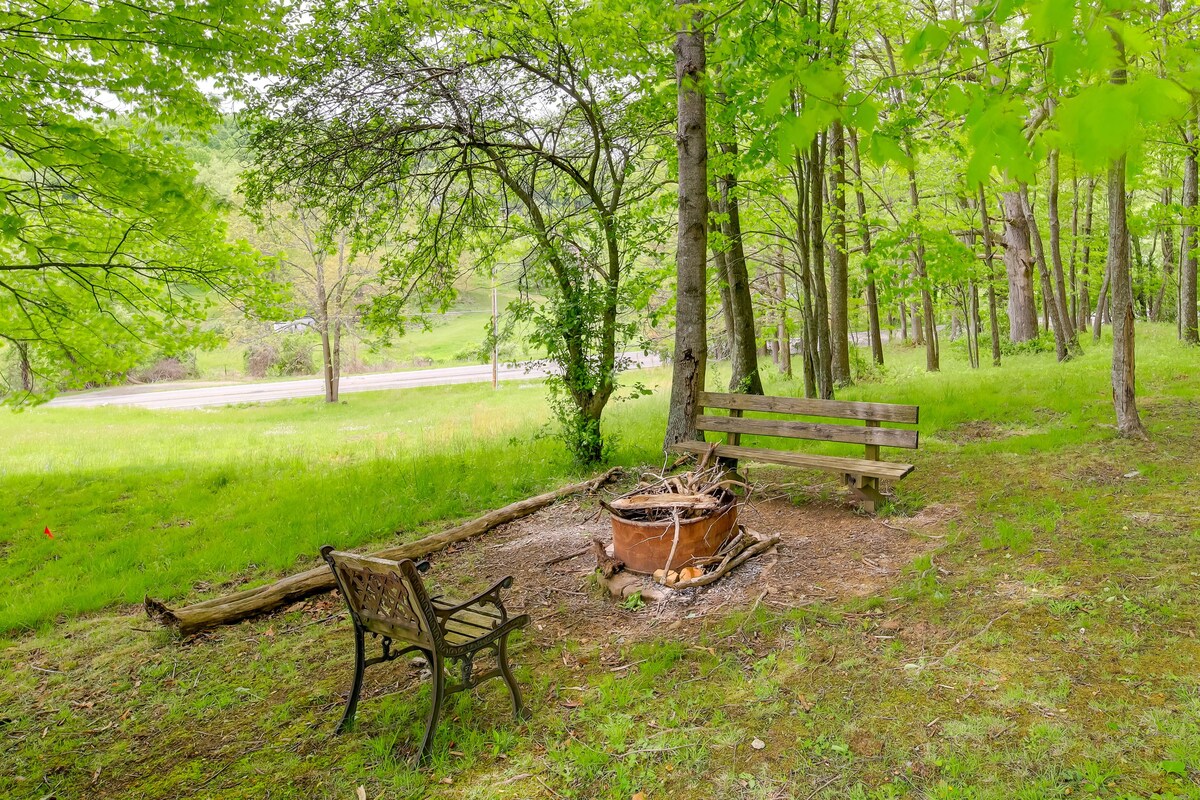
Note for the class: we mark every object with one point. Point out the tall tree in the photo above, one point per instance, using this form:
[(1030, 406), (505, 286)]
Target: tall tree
[(1129, 424), (691, 313), (109, 247)]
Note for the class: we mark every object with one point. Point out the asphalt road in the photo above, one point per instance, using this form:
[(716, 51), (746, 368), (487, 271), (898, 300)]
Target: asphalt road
[(184, 396)]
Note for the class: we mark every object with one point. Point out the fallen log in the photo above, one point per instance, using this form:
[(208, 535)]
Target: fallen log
[(251, 602)]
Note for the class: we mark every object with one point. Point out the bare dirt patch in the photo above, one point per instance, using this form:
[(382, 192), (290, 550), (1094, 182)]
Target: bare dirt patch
[(827, 552)]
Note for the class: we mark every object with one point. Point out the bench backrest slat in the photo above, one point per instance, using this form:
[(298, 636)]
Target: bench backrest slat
[(806, 407), (825, 432), (388, 592)]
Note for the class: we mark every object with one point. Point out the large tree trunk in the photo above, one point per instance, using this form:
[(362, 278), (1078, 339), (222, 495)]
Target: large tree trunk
[(691, 339), (1018, 262), (990, 258), (1188, 329), (838, 267), (1129, 424), (744, 357), (873, 331)]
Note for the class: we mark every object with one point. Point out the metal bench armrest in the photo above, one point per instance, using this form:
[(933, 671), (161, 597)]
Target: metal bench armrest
[(490, 596)]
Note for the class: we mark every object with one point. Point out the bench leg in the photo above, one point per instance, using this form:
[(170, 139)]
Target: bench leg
[(506, 671), (866, 491), (435, 708), (359, 667)]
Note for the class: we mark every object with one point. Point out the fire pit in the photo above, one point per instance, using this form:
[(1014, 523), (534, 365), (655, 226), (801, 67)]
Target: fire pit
[(673, 524)]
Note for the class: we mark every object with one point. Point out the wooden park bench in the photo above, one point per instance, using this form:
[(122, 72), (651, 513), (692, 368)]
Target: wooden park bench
[(388, 599), (862, 475)]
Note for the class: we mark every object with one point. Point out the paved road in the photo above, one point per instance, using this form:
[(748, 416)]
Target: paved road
[(220, 394)]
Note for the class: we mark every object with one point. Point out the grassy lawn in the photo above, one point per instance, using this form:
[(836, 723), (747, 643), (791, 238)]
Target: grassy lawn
[(1045, 650)]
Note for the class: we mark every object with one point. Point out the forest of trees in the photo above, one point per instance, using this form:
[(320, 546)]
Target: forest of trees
[(786, 181)]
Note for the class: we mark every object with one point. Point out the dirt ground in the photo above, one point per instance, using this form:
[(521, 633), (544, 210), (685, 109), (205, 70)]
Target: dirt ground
[(828, 551)]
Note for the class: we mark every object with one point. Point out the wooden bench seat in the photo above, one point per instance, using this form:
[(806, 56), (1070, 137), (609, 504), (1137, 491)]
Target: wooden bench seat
[(862, 475)]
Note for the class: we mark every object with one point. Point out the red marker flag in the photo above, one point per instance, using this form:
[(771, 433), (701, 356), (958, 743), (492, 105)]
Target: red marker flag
[(49, 535)]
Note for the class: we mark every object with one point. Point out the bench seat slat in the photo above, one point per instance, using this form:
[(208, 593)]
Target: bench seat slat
[(825, 432), (854, 466), (807, 407)]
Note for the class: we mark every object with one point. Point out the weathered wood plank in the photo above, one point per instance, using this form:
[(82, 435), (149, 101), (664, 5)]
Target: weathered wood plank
[(853, 466), (841, 409), (824, 432)]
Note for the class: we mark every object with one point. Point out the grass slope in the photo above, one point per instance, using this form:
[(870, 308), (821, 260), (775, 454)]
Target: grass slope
[(1046, 650), (151, 502)]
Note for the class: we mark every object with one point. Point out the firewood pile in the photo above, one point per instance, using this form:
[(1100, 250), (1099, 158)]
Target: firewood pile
[(665, 498), (674, 500)]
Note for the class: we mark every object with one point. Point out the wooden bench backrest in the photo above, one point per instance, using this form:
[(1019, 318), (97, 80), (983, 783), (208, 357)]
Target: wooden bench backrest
[(870, 435), (388, 592)]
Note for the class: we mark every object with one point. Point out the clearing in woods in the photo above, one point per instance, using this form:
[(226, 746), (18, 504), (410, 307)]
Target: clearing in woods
[(1020, 622)]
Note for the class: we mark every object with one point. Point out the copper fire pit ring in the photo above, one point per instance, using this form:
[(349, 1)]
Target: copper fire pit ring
[(645, 546)]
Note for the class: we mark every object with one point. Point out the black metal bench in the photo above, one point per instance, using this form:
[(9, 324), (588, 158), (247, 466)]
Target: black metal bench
[(862, 475), (388, 599)]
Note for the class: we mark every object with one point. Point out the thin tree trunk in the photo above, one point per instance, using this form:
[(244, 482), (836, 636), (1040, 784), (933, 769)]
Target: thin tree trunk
[(1101, 304), (1062, 315), (873, 332), (782, 337), (816, 183), (1189, 332), (1168, 248), (838, 267), (989, 258), (1074, 275), (1129, 424), (744, 358), (691, 341), (1035, 237), (720, 260), (932, 354), (1085, 299)]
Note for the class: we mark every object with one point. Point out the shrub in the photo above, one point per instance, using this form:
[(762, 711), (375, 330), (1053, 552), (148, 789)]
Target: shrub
[(291, 355)]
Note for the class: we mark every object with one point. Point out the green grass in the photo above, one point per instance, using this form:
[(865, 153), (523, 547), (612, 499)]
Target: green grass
[(1045, 649), (151, 502)]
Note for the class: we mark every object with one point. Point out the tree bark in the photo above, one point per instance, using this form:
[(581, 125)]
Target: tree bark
[(1168, 246), (1129, 424), (1189, 332), (838, 267), (744, 357), (691, 341), (1018, 262), (820, 292), (1051, 305), (1085, 294), (873, 331), (990, 258), (1062, 314), (783, 338), (932, 347)]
